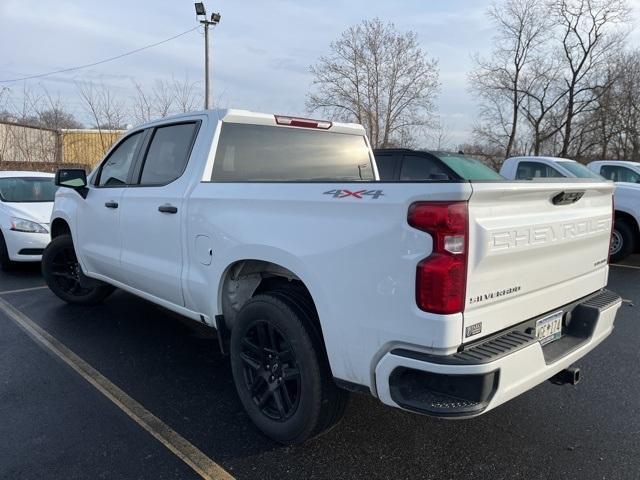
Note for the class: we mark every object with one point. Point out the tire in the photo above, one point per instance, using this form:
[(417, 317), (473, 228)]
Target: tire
[(622, 242), (290, 396), (63, 275), (5, 263)]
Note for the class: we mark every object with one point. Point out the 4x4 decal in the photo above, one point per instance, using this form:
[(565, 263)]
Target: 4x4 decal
[(343, 193)]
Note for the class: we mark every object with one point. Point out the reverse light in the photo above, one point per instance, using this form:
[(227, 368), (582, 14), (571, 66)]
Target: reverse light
[(23, 225), (441, 278), (302, 122)]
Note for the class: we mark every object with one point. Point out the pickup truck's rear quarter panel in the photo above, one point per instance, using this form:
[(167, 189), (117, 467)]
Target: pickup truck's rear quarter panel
[(528, 256), (357, 257)]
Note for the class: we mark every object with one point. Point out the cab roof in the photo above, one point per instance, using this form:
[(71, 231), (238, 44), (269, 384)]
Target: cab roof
[(233, 115)]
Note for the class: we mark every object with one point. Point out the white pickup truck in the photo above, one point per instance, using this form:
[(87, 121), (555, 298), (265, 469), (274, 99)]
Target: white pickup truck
[(446, 298), (626, 175), (625, 238)]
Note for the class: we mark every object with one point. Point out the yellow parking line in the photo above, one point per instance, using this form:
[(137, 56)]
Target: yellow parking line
[(188, 453), (20, 290)]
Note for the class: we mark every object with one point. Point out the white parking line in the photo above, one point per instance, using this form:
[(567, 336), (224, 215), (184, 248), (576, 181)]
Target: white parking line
[(20, 290), (176, 443), (624, 266)]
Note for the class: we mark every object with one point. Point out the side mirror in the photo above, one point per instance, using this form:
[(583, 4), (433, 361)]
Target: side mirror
[(75, 178)]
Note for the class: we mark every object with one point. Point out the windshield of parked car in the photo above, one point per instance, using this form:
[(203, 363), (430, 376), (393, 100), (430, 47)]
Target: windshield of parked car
[(469, 168), (579, 170), (27, 189)]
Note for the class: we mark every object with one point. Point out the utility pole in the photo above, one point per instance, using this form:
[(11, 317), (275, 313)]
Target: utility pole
[(201, 15)]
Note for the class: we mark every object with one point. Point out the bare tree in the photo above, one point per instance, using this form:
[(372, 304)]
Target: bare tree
[(165, 98), (521, 27), (588, 38), (142, 110), (612, 125), (542, 100), (379, 77), (439, 135), (106, 109), (186, 94)]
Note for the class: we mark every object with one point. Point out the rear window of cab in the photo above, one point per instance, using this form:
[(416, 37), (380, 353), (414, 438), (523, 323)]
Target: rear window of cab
[(263, 153)]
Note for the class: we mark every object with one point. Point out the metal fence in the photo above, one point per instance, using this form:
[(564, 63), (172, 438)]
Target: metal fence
[(25, 147)]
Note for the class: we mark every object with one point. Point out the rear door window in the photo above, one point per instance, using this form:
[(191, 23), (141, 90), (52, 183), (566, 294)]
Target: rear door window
[(263, 153), (529, 170), (168, 153)]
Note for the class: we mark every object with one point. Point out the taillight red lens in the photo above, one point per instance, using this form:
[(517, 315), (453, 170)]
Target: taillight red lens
[(441, 278)]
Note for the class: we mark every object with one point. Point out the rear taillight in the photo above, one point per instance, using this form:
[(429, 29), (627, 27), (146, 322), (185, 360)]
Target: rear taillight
[(441, 278)]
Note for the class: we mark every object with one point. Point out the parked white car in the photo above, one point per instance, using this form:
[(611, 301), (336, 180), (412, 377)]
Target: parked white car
[(625, 236), (26, 202), (446, 298)]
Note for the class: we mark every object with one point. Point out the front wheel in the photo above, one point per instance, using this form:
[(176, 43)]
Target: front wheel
[(622, 241), (280, 370), (63, 275)]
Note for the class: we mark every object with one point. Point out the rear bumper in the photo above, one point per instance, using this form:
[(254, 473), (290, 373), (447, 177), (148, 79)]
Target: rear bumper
[(493, 370), (26, 246)]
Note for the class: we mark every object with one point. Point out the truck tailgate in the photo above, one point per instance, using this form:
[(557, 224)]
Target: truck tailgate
[(533, 247)]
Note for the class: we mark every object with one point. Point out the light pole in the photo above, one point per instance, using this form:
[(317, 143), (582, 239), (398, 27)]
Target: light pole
[(201, 15)]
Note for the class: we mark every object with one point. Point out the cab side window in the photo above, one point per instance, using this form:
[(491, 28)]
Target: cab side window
[(529, 170), (168, 153), (115, 170), (616, 173)]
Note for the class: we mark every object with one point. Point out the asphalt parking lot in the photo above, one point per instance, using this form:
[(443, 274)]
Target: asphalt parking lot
[(54, 423)]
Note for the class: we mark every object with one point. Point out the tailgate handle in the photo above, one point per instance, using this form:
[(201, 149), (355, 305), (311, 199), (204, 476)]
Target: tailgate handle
[(565, 198)]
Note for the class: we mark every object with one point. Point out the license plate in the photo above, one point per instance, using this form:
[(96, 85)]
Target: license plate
[(549, 328)]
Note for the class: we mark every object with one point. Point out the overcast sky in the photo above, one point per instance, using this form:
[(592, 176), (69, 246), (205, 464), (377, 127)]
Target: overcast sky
[(261, 49)]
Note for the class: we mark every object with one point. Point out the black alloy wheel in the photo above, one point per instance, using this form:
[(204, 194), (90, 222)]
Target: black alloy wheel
[(63, 274), (65, 269), (280, 367), (271, 374)]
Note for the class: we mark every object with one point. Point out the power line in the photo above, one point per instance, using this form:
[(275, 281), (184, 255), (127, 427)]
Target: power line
[(87, 65)]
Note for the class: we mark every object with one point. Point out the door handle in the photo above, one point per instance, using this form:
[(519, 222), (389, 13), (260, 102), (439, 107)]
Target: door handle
[(111, 204), (167, 209)]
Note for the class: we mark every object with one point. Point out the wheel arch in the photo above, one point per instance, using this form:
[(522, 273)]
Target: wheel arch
[(244, 278), (631, 220), (59, 226)]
